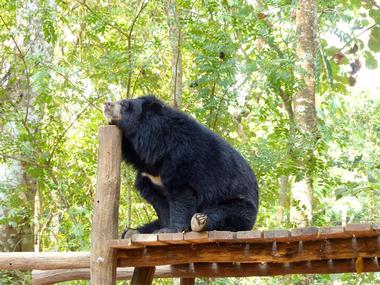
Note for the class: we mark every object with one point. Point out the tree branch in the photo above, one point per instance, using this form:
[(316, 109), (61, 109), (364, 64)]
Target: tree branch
[(129, 39)]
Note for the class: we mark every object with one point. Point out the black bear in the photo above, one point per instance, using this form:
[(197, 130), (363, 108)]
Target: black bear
[(192, 177)]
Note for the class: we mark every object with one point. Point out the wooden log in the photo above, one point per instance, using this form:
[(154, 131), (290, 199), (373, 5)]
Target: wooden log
[(44, 260), (143, 275), (260, 252), (224, 270), (106, 207)]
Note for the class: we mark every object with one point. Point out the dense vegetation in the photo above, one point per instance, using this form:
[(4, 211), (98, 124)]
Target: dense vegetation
[(229, 63)]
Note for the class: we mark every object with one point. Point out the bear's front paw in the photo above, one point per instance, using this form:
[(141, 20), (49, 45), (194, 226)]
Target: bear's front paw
[(198, 222), (128, 233)]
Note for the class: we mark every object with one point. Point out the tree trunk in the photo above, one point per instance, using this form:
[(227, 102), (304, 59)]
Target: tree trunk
[(283, 198), (28, 41), (176, 42), (304, 108)]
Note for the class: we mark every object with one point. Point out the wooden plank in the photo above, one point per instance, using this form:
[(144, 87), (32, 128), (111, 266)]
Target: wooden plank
[(277, 235), (106, 207), (46, 277), (249, 236), (221, 236), (360, 230), (258, 252), (147, 239), (143, 275), (332, 232), (123, 243), (172, 238), (303, 234), (43, 260), (196, 237)]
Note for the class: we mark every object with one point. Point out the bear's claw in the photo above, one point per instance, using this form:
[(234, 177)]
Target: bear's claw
[(198, 222)]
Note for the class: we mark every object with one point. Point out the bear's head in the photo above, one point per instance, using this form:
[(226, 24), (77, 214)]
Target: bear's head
[(130, 112)]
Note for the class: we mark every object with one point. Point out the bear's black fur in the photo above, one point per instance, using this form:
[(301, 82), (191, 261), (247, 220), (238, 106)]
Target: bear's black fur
[(201, 179)]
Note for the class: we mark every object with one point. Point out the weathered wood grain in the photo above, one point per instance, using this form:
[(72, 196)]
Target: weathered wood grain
[(260, 252), (172, 238), (146, 239), (303, 234), (221, 270), (196, 237), (44, 260), (359, 230), (249, 236), (106, 207)]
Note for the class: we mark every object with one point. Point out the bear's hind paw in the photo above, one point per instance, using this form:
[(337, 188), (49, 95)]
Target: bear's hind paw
[(198, 222)]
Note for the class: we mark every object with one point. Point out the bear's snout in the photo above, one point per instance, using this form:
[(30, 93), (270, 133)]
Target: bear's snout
[(112, 111)]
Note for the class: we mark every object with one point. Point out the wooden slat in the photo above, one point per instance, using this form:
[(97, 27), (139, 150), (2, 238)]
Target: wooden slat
[(277, 235), (303, 234), (123, 243), (259, 252), (172, 238), (221, 236), (147, 239), (249, 236), (196, 237), (332, 232), (359, 230)]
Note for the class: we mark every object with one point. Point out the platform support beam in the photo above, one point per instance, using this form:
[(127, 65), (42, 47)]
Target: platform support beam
[(187, 281), (106, 207), (143, 275)]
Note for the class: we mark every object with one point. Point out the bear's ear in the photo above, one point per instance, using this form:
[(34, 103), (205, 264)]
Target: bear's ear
[(152, 106)]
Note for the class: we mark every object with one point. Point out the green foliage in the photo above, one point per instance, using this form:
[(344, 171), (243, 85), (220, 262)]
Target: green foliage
[(374, 40)]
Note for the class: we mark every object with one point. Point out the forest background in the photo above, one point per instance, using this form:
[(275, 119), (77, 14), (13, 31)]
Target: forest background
[(294, 86)]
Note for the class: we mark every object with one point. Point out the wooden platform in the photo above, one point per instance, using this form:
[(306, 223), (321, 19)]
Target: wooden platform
[(306, 250), (354, 248)]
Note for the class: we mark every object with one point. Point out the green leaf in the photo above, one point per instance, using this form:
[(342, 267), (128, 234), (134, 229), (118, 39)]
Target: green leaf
[(375, 14), (356, 4), (370, 60), (374, 40), (331, 51)]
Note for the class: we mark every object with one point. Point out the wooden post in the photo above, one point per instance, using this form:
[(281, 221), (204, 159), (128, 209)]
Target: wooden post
[(187, 281), (143, 275), (106, 207)]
